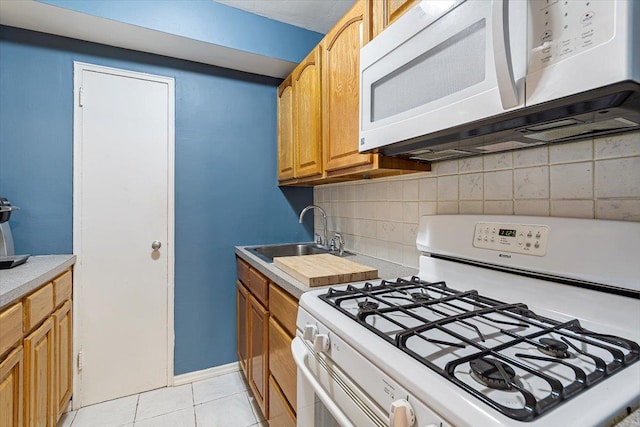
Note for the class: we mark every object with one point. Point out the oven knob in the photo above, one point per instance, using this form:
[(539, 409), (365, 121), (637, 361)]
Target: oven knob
[(402, 414), (310, 332), (321, 343)]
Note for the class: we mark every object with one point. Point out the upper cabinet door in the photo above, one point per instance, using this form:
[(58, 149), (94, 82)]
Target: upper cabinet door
[(307, 116), (384, 12), (285, 130), (341, 91)]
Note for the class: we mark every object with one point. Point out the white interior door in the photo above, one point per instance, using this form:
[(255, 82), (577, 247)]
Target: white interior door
[(123, 207)]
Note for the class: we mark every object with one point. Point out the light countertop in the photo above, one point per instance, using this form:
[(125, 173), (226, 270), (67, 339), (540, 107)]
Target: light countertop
[(18, 281), (386, 270)]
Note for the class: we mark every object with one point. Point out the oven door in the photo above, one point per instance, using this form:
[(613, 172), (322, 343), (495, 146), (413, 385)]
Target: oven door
[(326, 396), (442, 64)]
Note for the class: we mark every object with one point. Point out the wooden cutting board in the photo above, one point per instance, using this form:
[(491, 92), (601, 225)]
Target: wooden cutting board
[(324, 269)]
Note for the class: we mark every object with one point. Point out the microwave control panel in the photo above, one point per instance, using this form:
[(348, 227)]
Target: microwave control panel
[(525, 239), (559, 29)]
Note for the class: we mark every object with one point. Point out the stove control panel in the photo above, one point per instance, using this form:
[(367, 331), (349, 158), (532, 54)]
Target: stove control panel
[(527, 239)]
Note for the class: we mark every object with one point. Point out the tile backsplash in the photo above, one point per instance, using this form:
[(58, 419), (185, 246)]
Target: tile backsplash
[(597, 178)]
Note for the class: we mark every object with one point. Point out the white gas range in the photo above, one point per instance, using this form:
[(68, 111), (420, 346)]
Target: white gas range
[(511, 321)]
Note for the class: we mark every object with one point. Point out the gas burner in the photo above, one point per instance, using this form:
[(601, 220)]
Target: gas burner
[(485, 371), (420, 296), (554, 348), (367, 305)]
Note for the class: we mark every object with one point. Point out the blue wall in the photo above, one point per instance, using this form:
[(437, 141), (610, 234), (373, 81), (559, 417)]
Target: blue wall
[(207, 21), (225, 188)]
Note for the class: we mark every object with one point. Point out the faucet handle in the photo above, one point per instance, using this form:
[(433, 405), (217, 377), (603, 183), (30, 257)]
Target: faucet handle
[(337, 243), (317, 239)]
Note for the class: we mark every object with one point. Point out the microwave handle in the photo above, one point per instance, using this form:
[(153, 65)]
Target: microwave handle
[(502, 54)]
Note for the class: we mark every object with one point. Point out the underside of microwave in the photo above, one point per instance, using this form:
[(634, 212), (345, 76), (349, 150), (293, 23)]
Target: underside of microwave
[(603, 111)]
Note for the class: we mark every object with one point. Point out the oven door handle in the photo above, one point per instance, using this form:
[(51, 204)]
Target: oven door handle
[(300, 353)]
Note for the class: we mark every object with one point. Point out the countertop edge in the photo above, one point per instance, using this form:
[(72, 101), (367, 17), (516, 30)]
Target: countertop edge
[(386, 270), (47, 267)]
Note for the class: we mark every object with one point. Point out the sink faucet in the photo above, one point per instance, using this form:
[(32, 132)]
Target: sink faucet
[(337, 244), (323, 240)]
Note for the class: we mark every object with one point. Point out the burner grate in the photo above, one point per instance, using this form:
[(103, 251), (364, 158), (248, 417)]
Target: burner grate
[(449, 331)]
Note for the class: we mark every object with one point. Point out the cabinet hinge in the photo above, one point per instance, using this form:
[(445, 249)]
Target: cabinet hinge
[(80, 101), (79, 361)]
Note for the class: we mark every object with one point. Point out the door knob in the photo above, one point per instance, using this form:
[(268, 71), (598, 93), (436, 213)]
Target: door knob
[(155, 245)]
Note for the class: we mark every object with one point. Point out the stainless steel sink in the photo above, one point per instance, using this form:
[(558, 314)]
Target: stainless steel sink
[(268, 252)]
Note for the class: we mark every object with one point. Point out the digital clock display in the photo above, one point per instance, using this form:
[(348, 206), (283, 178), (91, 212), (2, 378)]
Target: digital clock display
[(507, 233)]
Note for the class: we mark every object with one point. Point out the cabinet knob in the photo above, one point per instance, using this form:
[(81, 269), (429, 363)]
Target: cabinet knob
[(155, 245)]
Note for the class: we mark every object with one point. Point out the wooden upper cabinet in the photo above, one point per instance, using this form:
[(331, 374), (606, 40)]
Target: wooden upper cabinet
[(285, 130), (341, 91), (384, 12), (323, 95), (307, 119)]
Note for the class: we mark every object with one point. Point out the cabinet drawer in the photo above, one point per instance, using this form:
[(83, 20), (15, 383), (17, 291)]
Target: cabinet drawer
[(281, 363), (62, 288), (258, 285), (37, 306), (10, 327), (280, 413), (283, 307), (243, 271)]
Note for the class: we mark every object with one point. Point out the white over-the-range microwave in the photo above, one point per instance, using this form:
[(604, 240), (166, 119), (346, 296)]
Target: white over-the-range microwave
[(463, 77)]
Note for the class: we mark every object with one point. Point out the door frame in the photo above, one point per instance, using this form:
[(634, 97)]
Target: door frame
[(78, 68)]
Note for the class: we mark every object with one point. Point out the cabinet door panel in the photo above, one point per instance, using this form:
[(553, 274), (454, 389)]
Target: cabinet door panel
[(258, 353), (64, 356), (11, 396), (281, 414), (307, 116), (285, 130), (385, 12), (281, 363), (39, 376), (242, 305), (341, 92)]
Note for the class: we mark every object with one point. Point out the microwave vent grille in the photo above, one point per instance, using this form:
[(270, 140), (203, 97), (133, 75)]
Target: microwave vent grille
[(439, 155), (610, 125)]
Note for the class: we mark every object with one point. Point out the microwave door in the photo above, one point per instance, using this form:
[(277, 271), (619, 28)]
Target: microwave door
[(465, 65)]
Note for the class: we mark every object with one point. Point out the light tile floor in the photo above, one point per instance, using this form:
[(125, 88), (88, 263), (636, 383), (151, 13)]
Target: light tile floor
[(220, 401)]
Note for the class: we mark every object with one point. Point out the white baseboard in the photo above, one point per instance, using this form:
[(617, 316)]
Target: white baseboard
[(204, 374)]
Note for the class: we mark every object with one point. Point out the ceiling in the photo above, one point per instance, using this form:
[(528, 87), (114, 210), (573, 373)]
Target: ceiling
[(315, 15)]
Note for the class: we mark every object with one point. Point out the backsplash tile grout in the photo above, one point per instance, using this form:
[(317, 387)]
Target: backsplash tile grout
[(597, 178)]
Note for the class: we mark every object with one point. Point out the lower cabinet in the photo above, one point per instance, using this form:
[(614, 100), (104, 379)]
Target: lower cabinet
[(258, 353), (36, 356), (266, 325), (253, 332), (11, 394), (242, 326), (281, 414), (63, 324), (39, 376)]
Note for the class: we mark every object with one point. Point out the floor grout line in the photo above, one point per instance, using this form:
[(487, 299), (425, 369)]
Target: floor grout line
[(257, 421)]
